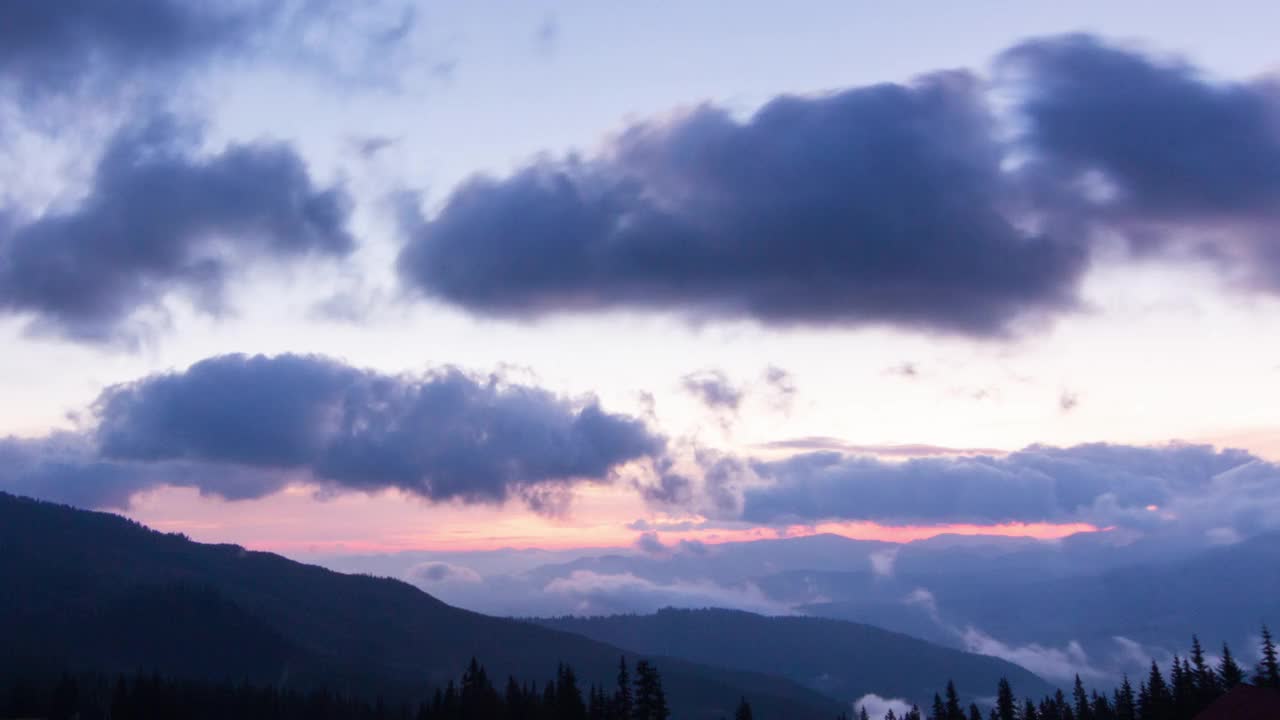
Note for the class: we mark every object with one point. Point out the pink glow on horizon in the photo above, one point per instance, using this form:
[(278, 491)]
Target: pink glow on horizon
[(613, 538), (296, 521)]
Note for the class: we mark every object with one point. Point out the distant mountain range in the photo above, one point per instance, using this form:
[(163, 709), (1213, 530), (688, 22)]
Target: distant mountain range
[(1097, 604), (842, 659), (96, 592)]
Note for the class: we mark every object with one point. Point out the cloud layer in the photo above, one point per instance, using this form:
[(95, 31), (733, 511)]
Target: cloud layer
[(160, 219), (1193, 487), (443, 436)]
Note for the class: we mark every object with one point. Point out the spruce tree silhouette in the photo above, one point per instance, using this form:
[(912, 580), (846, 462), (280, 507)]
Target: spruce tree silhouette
[(938, 711), (1230, 674), (650, 700), (1081, 698), (954, 711), (744, 710), (1268, 672), (1124, 707), (623, 702), (1006, 707)]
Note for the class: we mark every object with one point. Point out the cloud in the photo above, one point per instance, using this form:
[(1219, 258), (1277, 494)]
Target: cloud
[(66, 467), (1152, 148), (1060, 664), (783, 385), (878, 707), (922, 598), (158, 220), (1195, 487), (54, 47), (670, 488), (947, 204), (434, 573), (907, 370), (605, 594), (1068, 401), (882, 561), (650, 544), (878, 205), (442, 436), (906, 450), (715, 391)]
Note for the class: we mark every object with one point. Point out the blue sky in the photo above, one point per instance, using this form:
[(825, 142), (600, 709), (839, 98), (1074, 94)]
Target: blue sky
[(398, 105)]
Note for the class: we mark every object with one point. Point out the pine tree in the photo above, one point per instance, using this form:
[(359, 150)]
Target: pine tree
[(1159, 701), (938, 710), (1230, 674), (744, 710), (1268, 672), (1207, 686), (623, 704), (569, 705), (954, 711), (650, 700), (598, 706), (1082, 709), (862, 714), (1061, 709), (913, 713), (1183, 689), (1124, 703), (974, 712), (1029, 711), (1047, 710), (1006, 707), (1101, 709)]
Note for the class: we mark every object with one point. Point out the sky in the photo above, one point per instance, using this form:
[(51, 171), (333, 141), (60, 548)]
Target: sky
[(468, 275)]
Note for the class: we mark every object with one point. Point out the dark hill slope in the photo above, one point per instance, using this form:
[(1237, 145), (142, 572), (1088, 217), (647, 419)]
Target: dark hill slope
[(93, 591)]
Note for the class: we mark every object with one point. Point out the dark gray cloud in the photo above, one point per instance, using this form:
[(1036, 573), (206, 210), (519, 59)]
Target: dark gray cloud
[(443, 436), (54, 47), (1152, 147), (877, 205), (157, 220), (435, 572), (650, 543), (670, 488), (241, 427), (891, 204), (1173, 143), (1194, 486), (67, 467), (713, 388), (82, 48)]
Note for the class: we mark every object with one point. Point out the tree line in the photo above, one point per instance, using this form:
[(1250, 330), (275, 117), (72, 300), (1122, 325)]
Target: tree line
[(473, 697), (1190, 685)]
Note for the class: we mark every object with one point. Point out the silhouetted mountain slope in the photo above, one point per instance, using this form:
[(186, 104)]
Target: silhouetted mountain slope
[(95, 591), (841, 659)]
